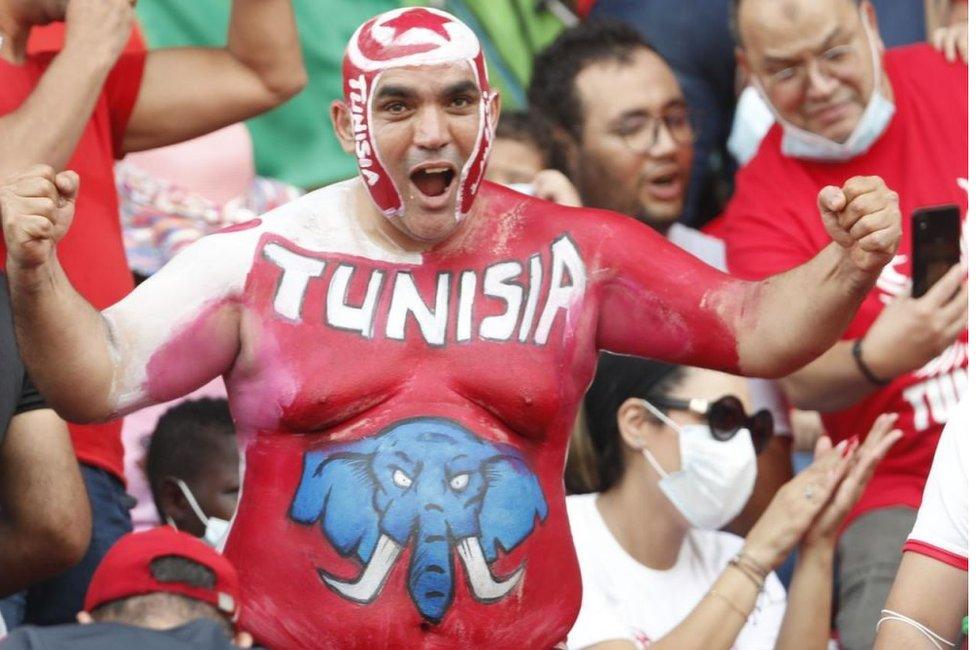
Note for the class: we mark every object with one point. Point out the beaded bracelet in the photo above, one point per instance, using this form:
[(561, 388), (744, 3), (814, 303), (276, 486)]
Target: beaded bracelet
[(751, 569), (752, 563), (748, 574)]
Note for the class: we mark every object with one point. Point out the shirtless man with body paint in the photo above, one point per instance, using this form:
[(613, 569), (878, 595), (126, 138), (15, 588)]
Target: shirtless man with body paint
[(405, 353)]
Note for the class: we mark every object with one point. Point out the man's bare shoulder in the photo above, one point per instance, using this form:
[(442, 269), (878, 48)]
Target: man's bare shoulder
[(325, 221)]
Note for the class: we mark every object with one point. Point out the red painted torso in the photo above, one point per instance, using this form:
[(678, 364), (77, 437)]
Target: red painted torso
[(344, 386), (498, 340)]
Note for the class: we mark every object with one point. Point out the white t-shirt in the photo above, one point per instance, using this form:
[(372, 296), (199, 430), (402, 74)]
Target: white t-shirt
[(623, 599), (941, 528), (709, 249)]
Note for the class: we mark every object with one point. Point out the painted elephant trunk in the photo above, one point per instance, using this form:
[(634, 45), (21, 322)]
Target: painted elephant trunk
[(431, 575)]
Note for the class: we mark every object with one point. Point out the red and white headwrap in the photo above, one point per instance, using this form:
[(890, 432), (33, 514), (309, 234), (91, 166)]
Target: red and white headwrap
[(410, 37)]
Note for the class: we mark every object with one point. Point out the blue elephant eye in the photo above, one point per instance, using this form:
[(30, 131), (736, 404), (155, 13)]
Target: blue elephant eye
[(460, 482), (401, 479)]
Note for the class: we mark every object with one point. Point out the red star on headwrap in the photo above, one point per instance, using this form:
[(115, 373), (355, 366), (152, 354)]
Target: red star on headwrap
[(419, 19)]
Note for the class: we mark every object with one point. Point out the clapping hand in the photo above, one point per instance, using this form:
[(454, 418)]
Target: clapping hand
[(811, 507), (865, 457)]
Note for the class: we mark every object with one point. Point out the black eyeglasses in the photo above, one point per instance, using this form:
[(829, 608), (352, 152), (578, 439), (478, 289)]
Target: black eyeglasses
[(725, 416), (641, 132)]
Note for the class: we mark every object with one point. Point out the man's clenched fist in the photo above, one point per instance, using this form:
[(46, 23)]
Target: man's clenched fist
[(864, 218), (36, 207)]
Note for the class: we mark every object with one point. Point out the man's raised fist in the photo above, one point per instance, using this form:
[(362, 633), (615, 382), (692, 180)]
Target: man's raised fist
[(36, 207), (864, 218)]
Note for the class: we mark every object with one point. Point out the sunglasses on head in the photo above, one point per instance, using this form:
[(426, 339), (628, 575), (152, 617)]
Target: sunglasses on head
[(725, 416)]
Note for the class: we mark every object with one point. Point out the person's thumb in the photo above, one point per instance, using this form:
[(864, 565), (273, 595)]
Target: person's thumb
[(68, 182), (822, 446), (831, 199), (831, 202)]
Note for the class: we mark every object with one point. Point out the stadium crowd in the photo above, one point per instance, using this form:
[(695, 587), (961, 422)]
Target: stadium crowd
[(575, 323)]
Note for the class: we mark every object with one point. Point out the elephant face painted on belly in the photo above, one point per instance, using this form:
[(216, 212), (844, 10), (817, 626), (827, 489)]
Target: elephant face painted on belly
[(429, 481)]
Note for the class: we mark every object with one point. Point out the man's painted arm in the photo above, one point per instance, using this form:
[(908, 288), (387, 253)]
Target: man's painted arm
[(665, 304), (172, 334), (801, 313), (175, 332), (64, 340), (660, 302), (180, 328)]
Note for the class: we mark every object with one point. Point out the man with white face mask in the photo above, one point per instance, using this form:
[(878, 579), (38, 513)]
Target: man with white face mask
[(193, 468), (845, 106)]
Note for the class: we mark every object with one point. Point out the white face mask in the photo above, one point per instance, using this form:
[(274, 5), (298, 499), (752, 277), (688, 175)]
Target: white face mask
[(716, 478), (800, 143), (215, 529)]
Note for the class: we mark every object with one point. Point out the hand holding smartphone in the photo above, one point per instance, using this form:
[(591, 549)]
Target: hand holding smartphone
[(935, 245)]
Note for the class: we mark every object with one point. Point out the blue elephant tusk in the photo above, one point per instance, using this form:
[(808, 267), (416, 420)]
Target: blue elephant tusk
[(365, 588), (484, 585)]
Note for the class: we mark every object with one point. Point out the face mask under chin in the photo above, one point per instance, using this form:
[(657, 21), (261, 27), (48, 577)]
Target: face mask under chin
[(877, 114), (214, 529)]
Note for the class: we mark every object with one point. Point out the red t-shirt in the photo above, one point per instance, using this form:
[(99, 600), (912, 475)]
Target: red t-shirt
[(92, 252), (772, 224)]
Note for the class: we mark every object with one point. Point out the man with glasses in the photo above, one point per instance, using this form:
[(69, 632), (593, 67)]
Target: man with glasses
[(627, 136), (620, 119), (844, 107)]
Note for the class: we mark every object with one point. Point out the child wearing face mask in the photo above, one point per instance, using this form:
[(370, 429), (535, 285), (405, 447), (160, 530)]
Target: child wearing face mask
[(193, 468), (670, 454)]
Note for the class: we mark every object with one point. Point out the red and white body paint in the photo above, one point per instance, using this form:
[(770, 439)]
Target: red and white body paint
[(326, 338), (402, 38)]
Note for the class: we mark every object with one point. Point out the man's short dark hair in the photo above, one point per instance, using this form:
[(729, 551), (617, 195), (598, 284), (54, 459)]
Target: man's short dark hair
[(734, 6), (186, 437), (139, 610), (528, 128), (552, 90)]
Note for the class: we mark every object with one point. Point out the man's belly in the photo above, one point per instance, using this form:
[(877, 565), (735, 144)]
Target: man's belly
[(419, 531)]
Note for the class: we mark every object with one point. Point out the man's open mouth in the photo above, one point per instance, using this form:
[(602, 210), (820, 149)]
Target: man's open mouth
[(665, 181), (433, 181), (665, 186)]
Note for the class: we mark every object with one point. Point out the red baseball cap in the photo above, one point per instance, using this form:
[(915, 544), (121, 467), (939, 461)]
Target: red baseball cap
[(125, 571)]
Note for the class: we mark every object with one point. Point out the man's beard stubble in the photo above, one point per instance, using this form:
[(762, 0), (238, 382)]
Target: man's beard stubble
[(598, 190)]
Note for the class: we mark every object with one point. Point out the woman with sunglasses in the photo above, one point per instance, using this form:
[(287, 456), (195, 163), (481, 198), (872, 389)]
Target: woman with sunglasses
[(674, 454)]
